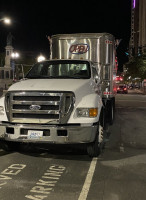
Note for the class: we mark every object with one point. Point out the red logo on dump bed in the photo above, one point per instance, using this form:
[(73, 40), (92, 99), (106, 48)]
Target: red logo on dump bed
[(79, 48)]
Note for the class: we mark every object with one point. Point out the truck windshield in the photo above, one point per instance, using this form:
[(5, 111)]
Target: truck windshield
[(60, 69)]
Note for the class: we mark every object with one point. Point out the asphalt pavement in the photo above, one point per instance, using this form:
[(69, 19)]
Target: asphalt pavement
[(122, 166), (130, 120), (119, 173), (136, 91)]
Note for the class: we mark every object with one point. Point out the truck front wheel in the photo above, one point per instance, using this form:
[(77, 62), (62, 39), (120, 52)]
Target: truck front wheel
[(95, 148), (9, 146)]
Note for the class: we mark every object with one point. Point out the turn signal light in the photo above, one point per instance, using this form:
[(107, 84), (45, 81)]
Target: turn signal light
[(93, 112)]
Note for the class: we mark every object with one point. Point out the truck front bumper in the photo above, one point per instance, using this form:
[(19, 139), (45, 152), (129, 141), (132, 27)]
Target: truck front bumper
[(65, 134)]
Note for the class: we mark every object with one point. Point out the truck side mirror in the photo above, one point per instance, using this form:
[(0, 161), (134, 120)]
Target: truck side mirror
[(97, 79)]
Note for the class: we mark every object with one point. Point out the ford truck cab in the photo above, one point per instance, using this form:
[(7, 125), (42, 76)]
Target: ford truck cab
[(64, 100)]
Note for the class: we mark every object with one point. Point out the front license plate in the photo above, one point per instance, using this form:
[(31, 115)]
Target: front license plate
[(34, 134)]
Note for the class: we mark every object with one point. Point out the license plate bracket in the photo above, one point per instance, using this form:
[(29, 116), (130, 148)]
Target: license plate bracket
[(35, 134)]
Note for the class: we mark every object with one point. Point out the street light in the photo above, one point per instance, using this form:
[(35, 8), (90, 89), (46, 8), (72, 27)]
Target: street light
[(6, 20), (14, 56), (41, 58)]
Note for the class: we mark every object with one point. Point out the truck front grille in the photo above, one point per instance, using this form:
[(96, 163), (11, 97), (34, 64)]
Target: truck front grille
[(39, 107)]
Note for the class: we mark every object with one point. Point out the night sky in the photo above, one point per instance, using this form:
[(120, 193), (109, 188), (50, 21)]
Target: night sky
[(33, 20)]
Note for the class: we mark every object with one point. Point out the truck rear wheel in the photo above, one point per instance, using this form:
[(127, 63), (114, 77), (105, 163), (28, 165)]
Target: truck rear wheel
[(95, 148)]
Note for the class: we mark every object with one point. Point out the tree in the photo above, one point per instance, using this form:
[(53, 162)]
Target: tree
[(136, 68)]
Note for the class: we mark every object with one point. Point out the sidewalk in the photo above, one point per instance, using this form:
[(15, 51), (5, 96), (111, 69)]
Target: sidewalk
[(136, 91)]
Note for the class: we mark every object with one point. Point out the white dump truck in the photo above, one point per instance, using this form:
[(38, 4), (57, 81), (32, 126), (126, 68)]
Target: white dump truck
[(68, 99)]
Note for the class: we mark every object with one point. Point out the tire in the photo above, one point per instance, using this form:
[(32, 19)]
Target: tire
[(110, 111), (10, 146), (111, 114), (94, 149)]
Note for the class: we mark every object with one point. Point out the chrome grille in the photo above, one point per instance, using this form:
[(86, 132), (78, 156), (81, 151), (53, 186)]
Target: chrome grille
[(39, 107)]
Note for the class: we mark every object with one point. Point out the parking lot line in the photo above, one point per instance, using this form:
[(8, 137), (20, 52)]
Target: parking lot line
[(88, 180)]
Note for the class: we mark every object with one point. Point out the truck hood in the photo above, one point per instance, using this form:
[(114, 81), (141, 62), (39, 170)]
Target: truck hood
[(73, 85)]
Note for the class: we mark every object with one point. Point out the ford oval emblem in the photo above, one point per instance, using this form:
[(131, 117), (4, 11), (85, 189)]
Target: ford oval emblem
[(35, 107)]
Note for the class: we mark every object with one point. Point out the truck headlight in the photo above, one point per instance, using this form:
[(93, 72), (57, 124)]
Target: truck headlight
[(87, 112), (1, 110)]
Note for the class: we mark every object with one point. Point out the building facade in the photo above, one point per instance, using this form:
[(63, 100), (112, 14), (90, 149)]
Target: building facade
[(142, 26), (138, 28), (6, 73)]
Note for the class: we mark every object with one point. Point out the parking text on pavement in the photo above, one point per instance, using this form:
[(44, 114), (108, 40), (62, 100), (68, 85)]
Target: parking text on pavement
[(47, 183), (8, 173)]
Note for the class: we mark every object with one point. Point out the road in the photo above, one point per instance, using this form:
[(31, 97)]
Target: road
[(119, 173)]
